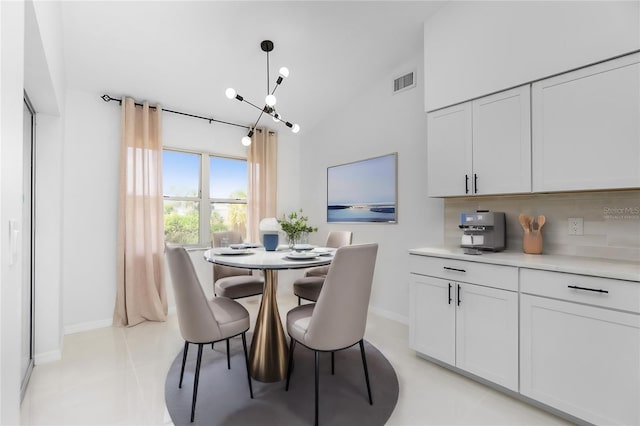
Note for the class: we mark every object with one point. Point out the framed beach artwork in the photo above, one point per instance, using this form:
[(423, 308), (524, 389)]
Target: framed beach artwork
[(364, 191)]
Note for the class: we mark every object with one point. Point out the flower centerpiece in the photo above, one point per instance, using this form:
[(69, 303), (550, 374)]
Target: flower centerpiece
[(295, 226)]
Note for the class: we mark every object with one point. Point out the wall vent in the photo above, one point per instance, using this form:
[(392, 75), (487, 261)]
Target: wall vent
[(404, 82)]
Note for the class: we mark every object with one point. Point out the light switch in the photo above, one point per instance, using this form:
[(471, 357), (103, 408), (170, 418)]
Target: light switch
[(14, 238)]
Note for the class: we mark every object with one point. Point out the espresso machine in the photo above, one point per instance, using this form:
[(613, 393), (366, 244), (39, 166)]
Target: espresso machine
[(483, 230)]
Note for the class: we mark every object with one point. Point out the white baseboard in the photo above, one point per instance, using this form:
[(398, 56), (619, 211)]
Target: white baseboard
[(93, 325), (46, 357), (86, 326), (390, 315)]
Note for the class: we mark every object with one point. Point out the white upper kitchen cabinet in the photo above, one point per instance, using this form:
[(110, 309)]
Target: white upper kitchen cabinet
[(502, 142), (481, 147), (586, 128), (449, 151)]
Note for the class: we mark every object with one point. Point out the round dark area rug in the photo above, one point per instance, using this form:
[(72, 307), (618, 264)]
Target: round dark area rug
[(223, 395)]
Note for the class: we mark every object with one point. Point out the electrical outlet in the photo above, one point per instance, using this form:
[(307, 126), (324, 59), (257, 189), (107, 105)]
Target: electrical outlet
[(576, 226)]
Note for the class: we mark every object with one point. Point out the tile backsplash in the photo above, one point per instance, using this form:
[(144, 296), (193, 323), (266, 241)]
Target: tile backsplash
[(611, 221)]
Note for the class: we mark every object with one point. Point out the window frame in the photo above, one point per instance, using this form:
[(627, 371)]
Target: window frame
[(204, 201)]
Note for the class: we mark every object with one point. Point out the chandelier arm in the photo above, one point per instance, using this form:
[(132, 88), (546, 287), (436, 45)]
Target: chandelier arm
[(257, 121), (275, 87), (253, 105)]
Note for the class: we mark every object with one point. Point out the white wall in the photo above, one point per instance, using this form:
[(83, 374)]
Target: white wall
[(48, 241), (90, 211), (476, 48), (376, 123), (11, 169), (90, 197)]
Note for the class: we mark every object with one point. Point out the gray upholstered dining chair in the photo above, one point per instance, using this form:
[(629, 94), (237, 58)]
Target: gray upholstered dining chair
[(203, 321), (309, 286), (338, 319), (231, 282)]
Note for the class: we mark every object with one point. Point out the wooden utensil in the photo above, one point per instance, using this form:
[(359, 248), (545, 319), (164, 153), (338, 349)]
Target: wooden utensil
[(524, 222), (541, 221)]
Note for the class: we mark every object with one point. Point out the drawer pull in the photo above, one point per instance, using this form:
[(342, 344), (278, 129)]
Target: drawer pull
[(459, 295), (597, 290), (454, 269), (449, 293)]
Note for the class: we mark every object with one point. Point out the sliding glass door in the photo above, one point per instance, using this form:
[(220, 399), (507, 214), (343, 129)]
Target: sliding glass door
[(28, 222)]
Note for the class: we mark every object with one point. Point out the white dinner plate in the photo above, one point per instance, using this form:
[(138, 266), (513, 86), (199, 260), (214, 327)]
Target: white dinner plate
[(244, 245), (323, 251), (302, 247), (252, 245), (301, 256), (229, 250)]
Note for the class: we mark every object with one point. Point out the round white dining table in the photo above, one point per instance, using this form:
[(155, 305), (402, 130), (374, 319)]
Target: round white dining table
[(268, 355)]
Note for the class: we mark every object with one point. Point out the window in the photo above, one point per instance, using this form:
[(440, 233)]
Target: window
[(203, 194), (228, 194)]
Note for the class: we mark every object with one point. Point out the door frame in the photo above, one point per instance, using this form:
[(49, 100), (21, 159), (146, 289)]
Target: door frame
[(25, 379)]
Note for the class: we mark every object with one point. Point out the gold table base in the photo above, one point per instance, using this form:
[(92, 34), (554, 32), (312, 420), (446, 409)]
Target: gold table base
[(269, 350)]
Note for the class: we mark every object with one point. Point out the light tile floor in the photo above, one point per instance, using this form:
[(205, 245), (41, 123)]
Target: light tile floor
[(115, 376)]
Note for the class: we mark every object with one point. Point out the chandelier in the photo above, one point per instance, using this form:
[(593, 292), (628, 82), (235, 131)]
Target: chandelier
[(270, 100)]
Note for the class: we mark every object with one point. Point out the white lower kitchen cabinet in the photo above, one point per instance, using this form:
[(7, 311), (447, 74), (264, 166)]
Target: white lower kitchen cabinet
[(537, 326), (472, 327), (433, 318), (583, 360), (487, 333)]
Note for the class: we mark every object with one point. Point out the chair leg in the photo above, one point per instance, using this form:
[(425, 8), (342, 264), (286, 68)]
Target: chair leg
[(195, 382), (317, 355), (333, 363), (290, 363), (298, 300), (184, 360), (228, 357), (366, 371), (246, 360), (212, 346)]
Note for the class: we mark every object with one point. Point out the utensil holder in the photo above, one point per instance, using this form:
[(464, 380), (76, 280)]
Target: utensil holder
[(532, 243)]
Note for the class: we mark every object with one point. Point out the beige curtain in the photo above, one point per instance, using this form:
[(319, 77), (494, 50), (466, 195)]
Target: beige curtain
[(263, 179), (141, 291)]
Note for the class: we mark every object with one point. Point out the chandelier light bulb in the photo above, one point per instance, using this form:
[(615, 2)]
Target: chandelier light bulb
[(246, 141), (270, 100), (230, 93), (276, 117), (284, 71), (295, 128)]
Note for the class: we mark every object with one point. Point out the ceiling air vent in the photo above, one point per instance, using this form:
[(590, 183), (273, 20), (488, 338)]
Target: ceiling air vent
[(404, 82)]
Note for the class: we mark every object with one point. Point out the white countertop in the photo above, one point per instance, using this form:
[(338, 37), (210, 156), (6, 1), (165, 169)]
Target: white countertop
[(622, 270)]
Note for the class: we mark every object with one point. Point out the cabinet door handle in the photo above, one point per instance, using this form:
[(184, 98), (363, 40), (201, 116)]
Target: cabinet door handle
[(459, 295), (454, 269), (597, 290), (466, 184), (475, 183), (449, 293)]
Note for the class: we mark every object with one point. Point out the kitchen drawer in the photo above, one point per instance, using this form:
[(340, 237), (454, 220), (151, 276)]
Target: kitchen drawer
[(497, 276), (598, 291)]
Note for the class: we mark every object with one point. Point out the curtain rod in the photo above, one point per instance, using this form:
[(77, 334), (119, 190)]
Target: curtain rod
[(108, 98)]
